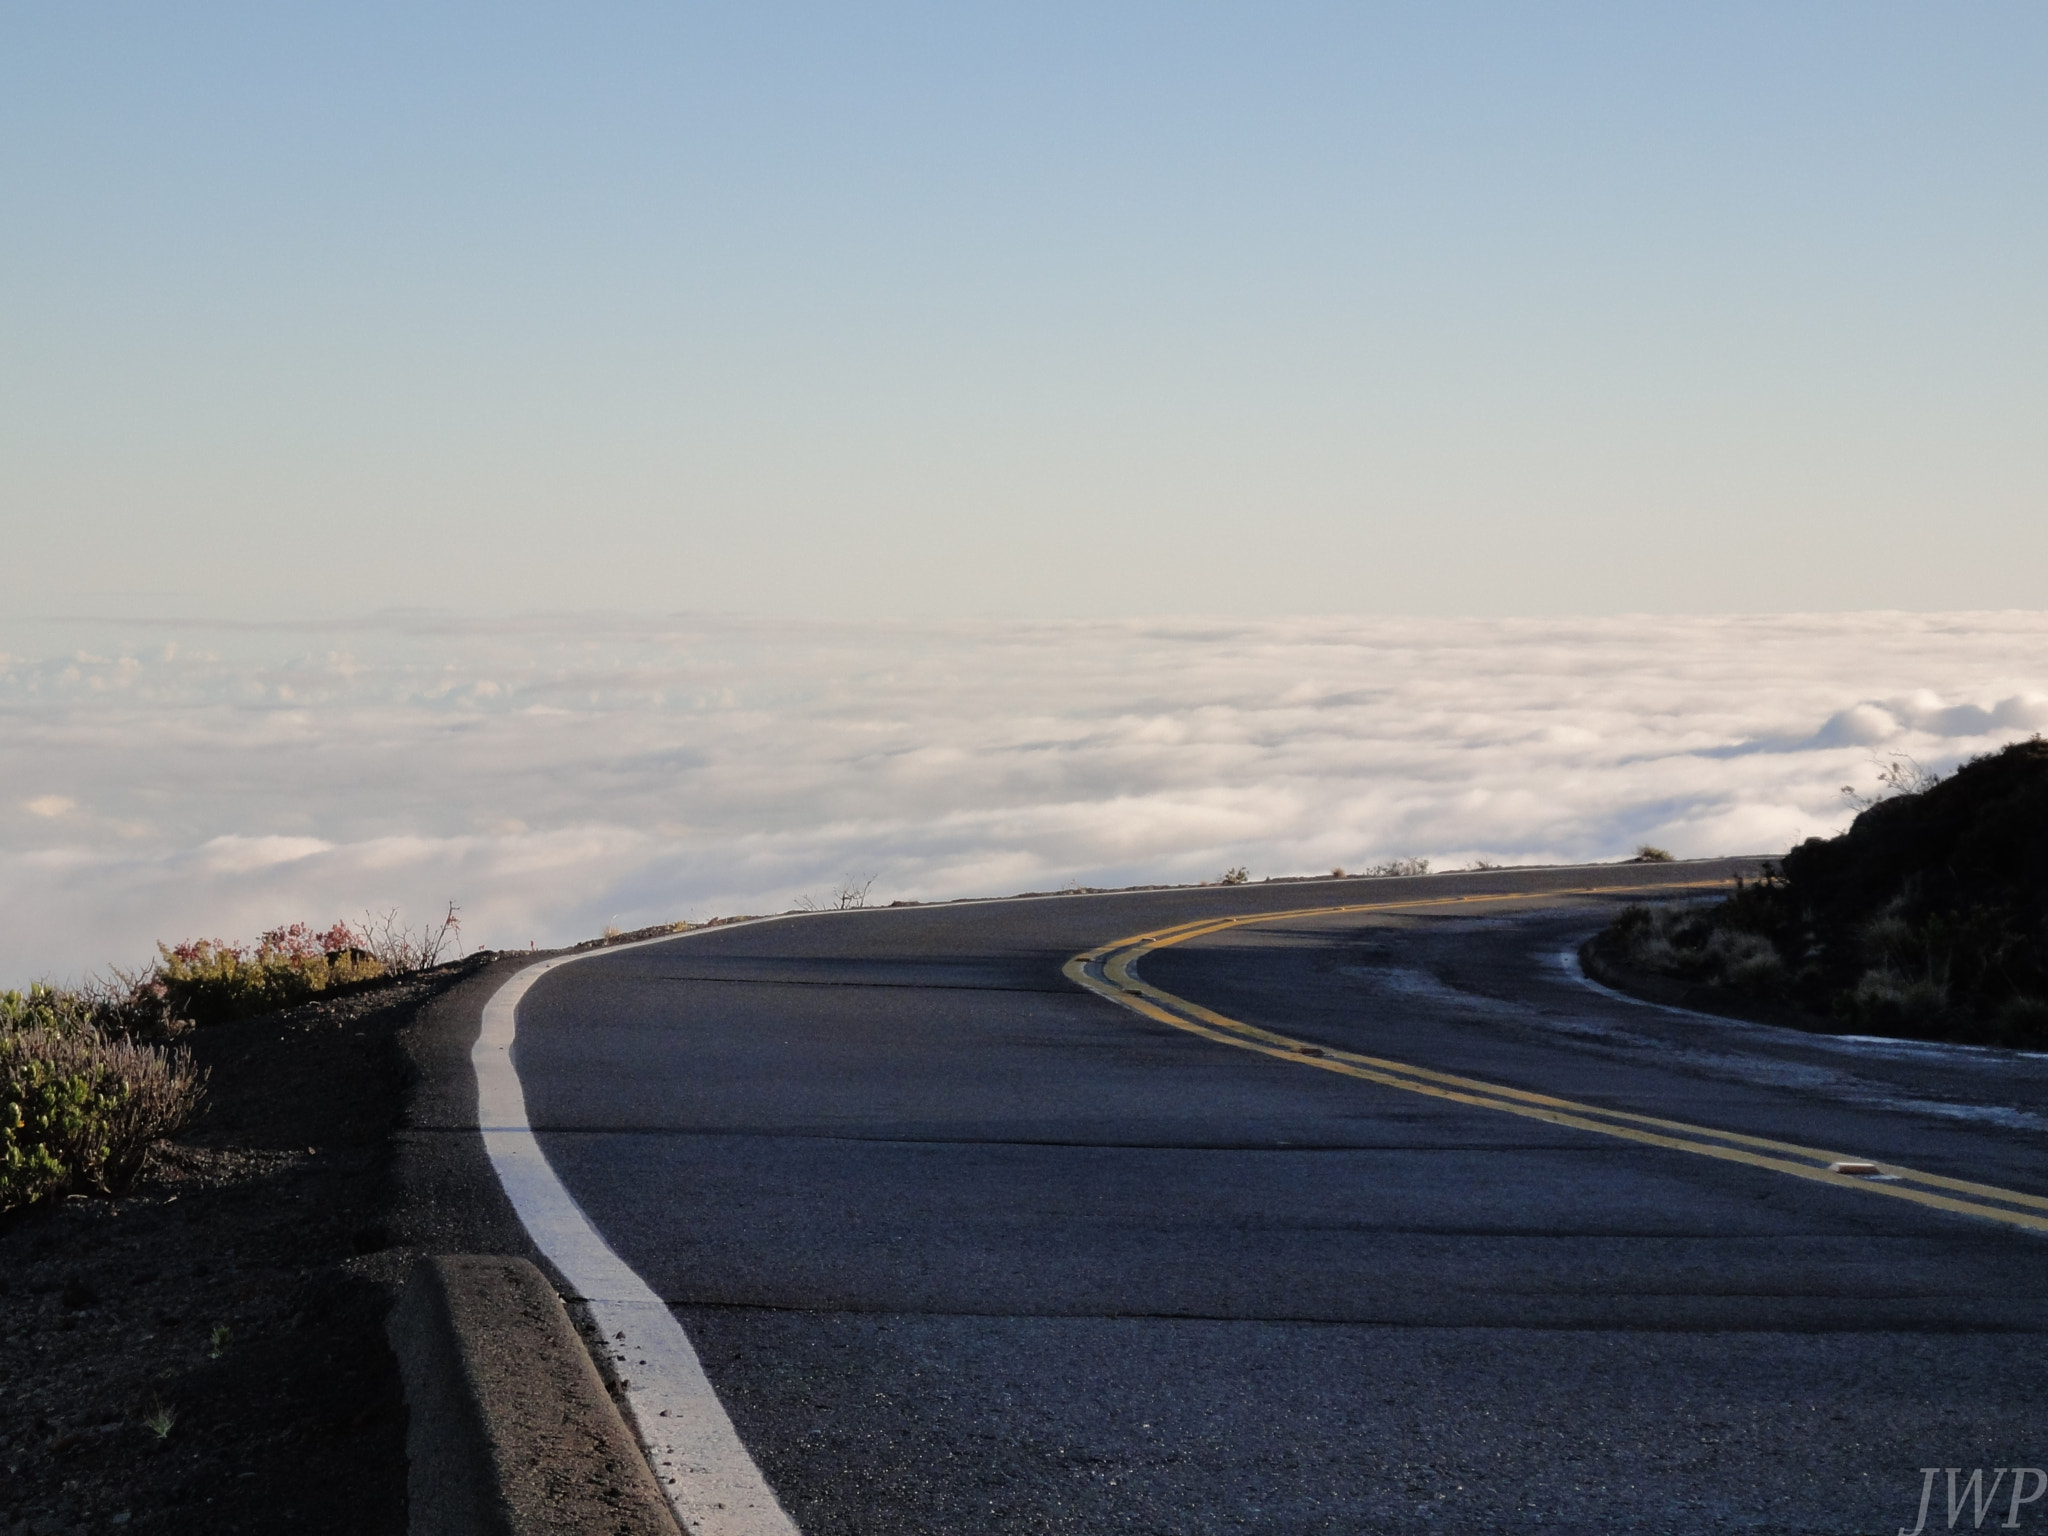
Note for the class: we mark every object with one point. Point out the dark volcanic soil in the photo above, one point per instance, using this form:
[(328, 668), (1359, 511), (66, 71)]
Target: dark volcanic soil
[(240, 1287)]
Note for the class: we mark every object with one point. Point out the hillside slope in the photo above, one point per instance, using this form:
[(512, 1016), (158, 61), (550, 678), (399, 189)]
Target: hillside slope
[(1927, 919)]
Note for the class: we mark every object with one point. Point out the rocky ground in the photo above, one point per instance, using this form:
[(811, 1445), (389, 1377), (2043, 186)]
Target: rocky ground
[(206, 1354)]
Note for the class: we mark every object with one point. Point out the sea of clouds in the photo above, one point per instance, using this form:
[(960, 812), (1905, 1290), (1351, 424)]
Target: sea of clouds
[(553, 775)]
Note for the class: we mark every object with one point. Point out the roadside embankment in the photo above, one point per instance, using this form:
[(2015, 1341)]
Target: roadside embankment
[(204, 1353)]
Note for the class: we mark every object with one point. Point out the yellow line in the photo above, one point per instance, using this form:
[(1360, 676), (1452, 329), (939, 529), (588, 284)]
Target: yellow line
[(1121, 984)]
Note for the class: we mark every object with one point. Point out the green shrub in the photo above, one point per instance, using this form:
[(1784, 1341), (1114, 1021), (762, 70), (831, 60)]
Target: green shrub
[(209, 980), (48, 1009), (79, 1110)]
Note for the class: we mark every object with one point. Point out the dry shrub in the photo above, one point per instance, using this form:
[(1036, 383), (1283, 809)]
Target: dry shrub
[(400, 949), (1889, 1003), (1697, 944)]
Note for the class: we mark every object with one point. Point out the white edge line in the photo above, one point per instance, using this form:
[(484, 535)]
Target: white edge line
[(712, 1483)]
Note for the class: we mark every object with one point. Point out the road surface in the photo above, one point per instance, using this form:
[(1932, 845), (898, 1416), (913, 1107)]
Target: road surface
[(974, 1236)]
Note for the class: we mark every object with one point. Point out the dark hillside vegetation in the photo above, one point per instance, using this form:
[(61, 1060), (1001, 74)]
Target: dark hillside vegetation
[(1927, 919)]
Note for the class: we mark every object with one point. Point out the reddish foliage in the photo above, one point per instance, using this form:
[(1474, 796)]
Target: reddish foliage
[(202, 950), (295, 941), (339, 938)]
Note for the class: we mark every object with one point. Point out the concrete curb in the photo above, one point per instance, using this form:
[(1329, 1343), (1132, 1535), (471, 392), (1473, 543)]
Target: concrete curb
[(512, 1432)]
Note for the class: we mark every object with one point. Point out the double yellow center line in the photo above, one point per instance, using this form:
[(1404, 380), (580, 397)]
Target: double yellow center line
[(1108, 970)]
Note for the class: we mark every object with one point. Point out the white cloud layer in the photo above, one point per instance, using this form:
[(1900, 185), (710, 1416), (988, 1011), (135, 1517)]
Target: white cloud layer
[(555, 774)]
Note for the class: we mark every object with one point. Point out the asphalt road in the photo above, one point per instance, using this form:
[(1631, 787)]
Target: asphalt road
[(968, 1248)]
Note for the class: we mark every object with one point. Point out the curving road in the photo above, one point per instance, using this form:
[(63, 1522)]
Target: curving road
[(1281, 1227)]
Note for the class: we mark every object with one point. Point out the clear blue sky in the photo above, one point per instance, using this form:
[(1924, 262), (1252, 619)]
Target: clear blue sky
[(1041, 309)]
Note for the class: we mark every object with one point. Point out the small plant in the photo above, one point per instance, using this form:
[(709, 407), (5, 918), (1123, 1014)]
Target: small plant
[(1899, 776), (217, 1341), (1337, 872), (1396, 868), (1237, 874), (1650, 853), (160, 1419), (850, 895)]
